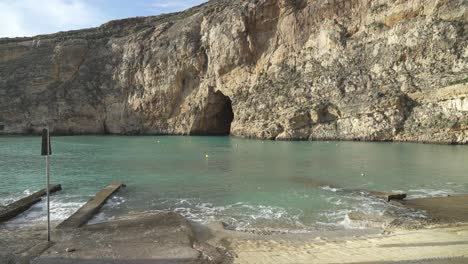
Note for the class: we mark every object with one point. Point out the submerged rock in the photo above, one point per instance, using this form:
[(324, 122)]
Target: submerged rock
[(270, 69)]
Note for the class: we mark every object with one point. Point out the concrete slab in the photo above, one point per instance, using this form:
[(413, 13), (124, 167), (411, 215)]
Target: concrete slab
[(87, 211), (162, 238), (52, 189), (387, 196), (12, 210), (450, 209), (18, 207)]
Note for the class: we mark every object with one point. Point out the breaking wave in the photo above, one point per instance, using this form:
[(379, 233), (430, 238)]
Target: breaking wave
[(239, 216)]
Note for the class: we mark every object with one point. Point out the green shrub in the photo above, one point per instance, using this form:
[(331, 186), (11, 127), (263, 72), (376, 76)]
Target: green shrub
[(459, 81)]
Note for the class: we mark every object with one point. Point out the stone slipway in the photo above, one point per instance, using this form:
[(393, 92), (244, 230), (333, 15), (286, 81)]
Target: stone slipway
[(18, 207), (450, 209), (87, 211), (160, 238)]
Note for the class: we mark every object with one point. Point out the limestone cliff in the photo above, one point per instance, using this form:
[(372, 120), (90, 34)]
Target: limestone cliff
[(385, 70)]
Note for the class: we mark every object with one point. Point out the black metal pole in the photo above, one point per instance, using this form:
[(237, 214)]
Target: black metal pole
[(48, 184), (47, 151)]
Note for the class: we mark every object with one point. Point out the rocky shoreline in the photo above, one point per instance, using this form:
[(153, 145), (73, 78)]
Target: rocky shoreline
[(170, 238), (157, 238), (271, 69)]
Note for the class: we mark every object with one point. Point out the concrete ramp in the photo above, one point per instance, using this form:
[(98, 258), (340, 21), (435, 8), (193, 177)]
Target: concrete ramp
[(87, 211), (14, 209), (165, 238), (388, 196), (450, 209)]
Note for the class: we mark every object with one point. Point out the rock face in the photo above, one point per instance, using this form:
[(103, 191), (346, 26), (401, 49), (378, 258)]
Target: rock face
[(392, 70)]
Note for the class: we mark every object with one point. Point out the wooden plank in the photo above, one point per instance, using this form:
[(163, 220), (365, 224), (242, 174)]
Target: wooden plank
[(14, 209), (87, 211), (450, 209)]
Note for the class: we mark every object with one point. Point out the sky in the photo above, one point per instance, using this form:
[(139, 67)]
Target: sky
[(19, 18)]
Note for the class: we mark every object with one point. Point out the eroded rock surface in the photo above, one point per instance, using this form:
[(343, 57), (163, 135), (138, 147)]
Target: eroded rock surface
[(144, 238), (388, 70)]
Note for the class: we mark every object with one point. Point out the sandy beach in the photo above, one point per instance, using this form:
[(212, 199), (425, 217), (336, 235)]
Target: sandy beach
[(427, 243), (431, 245)]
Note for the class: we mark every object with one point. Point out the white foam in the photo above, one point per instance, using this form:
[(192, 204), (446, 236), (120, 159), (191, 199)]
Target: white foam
[(245, 216), (334, 200), (100, 218), (239, 215), (103, 216), (339, 217), (59, 211), (350, 224), (427, 193), (328, 188)]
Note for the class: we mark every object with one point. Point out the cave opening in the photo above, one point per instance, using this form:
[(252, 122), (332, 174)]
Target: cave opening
[(216, 117), (223, 119)]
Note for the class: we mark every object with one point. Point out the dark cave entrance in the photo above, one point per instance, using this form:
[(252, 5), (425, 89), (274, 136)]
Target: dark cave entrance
[(216, 117), (225, 116)]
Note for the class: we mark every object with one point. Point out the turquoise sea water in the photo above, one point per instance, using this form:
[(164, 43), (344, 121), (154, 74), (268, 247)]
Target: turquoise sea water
[(246, 183)]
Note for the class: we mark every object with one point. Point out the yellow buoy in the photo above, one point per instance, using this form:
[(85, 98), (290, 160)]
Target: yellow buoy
[(206, 156)]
